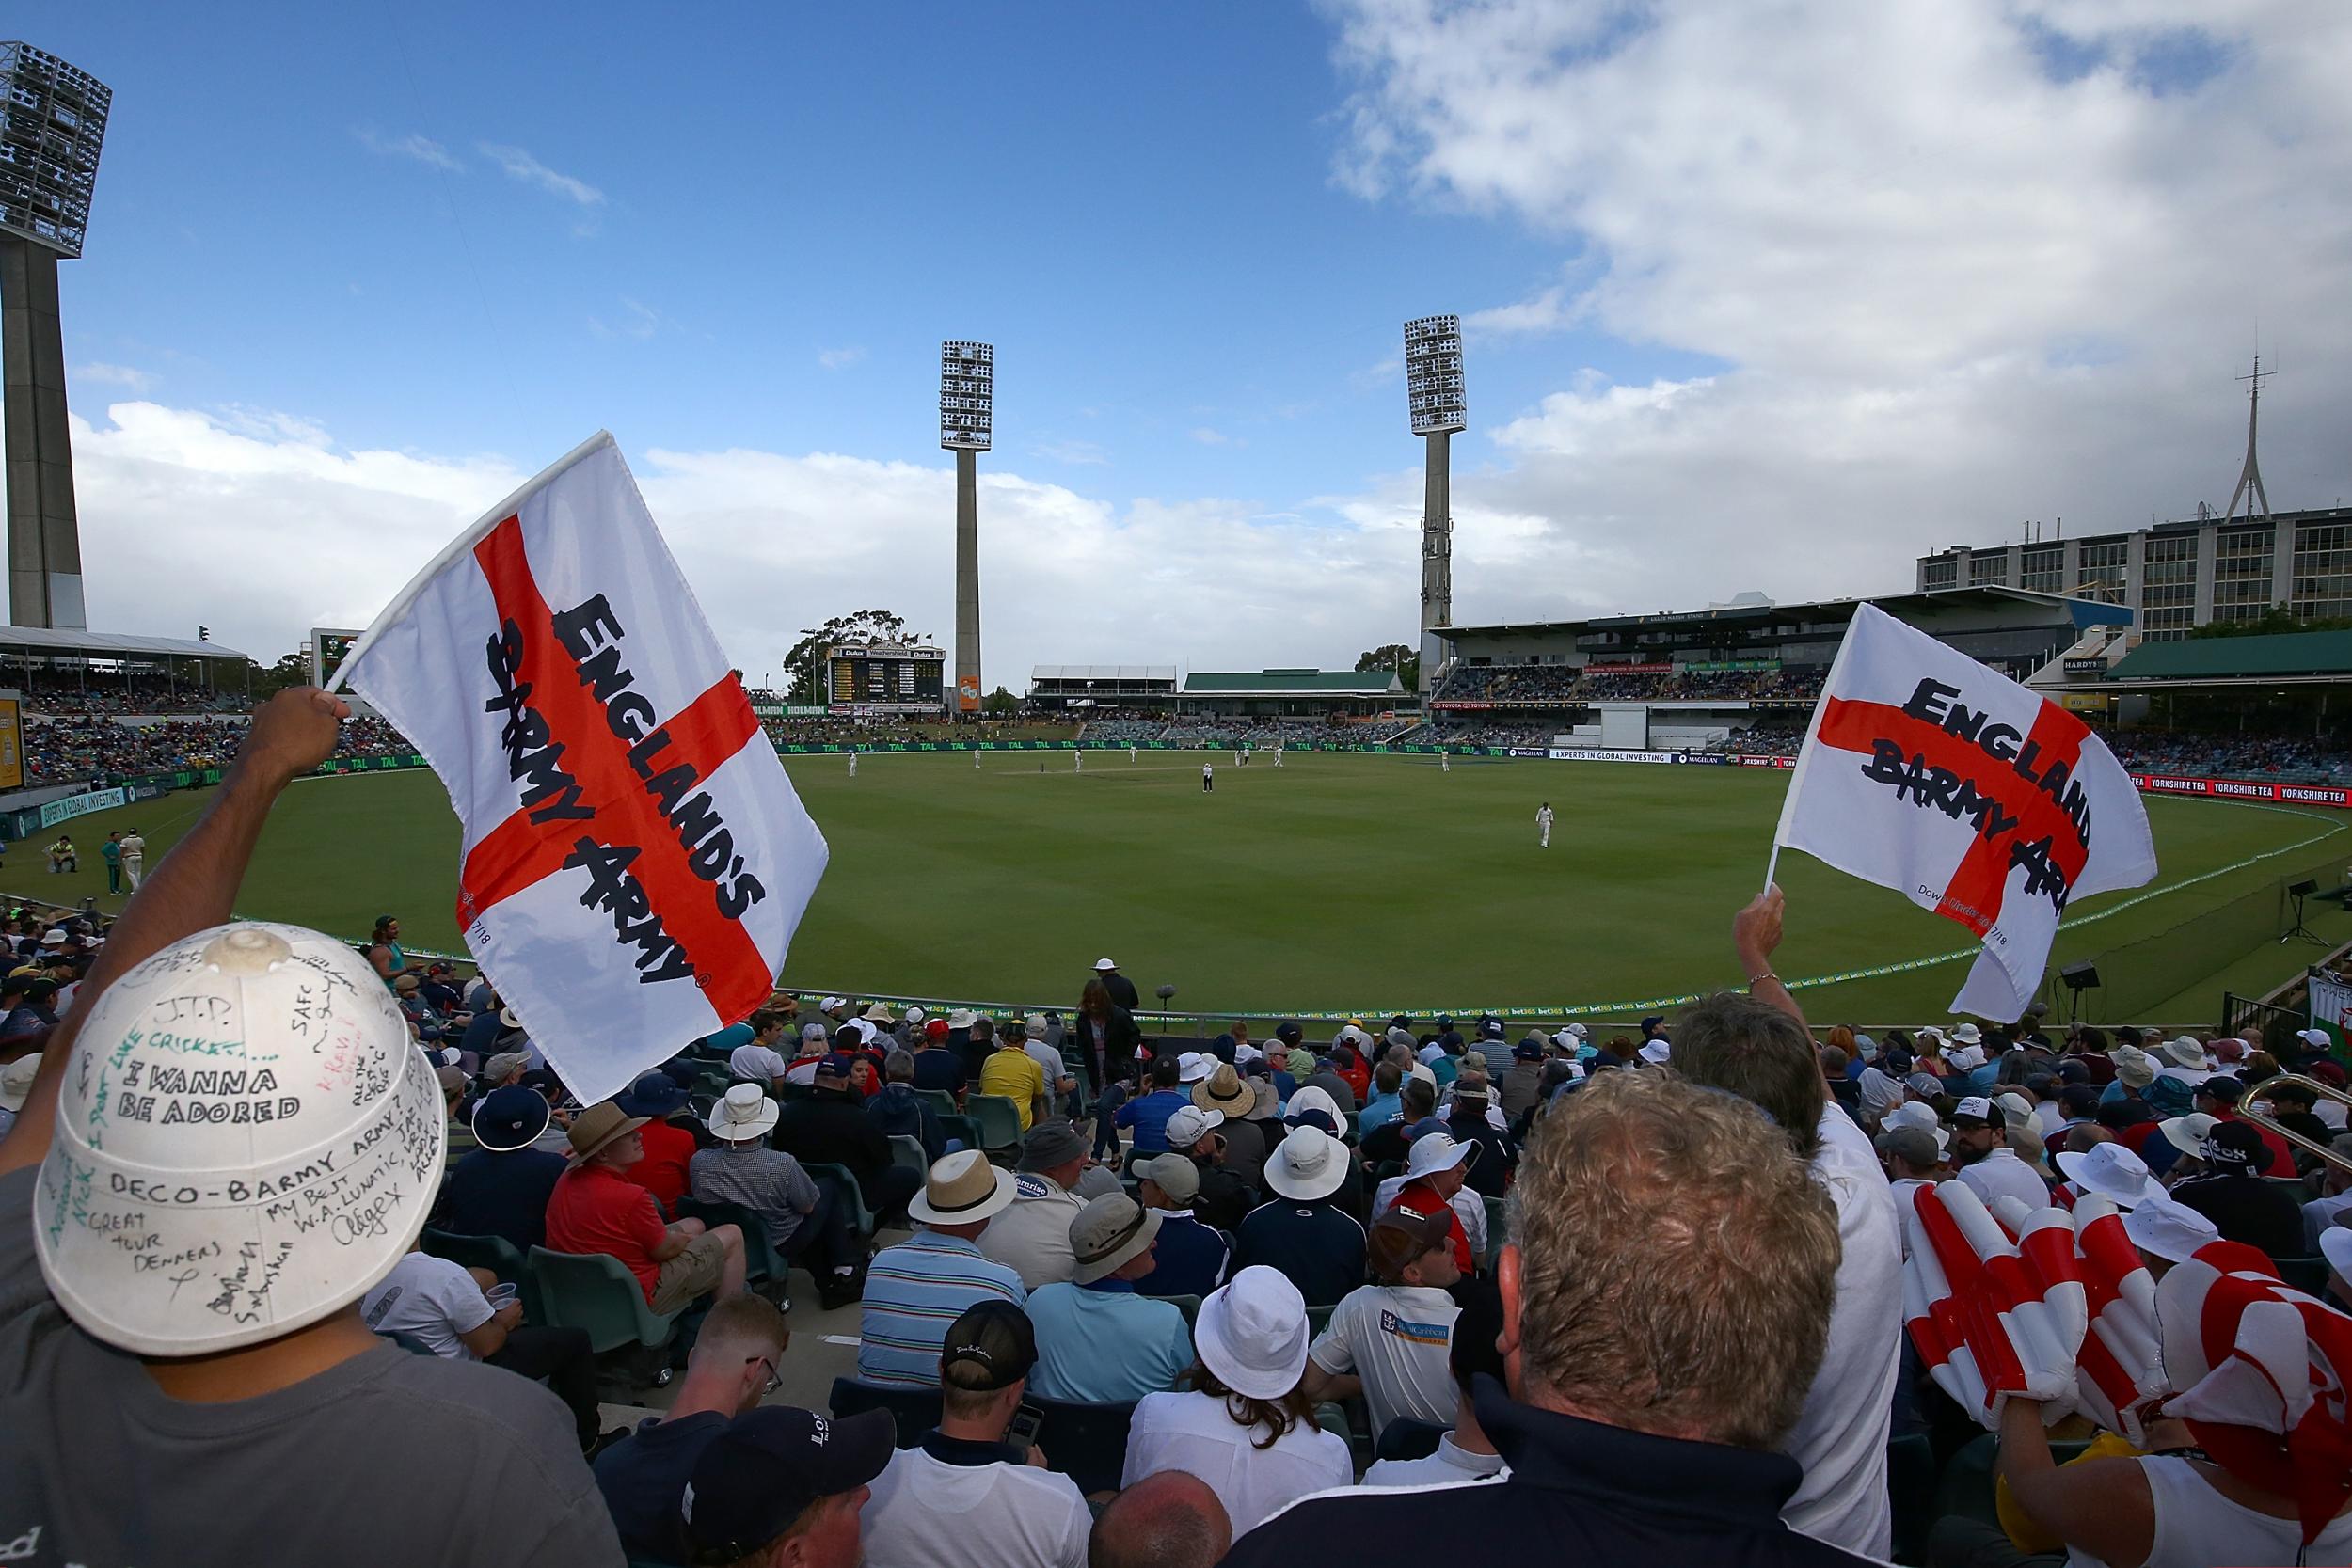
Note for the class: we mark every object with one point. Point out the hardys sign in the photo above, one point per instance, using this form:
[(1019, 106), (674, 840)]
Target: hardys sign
[(635, 860)]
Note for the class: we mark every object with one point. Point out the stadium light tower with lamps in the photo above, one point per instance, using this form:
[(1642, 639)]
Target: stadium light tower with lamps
[(1433, 390), (967, 404), (53, 120)]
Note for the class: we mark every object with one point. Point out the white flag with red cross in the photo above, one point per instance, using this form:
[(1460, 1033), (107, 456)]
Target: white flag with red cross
[(635, 860), (1926, 772)]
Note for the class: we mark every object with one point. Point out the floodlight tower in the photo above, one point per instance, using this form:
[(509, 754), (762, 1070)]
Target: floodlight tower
[(53, 120), (967, 400), (1433, 389)]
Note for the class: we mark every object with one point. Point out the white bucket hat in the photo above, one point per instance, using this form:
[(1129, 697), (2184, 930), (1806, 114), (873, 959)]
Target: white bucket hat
[(1658, 1053), (1102, 964), (16, 1081), (743, 1115), (2189, 1132), (1920, 1115), (1309, 1098), (962, 1188), (281, 1139), (1967, 1034), (1193, 1068), (1252, 1333), (1309, 1165), (2169, 1227), (1434, 1152), (2113, 1171)]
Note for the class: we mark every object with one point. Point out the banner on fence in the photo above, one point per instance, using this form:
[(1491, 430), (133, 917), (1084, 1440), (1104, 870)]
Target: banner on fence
[(70, 806), (2246, 789), (2332, 1006)]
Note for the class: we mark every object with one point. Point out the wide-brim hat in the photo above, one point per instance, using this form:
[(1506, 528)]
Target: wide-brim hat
[(2184, 1050), (1967, 1034), (1102, 964), (962, 1188), (2112, 1171), (743, 1114), (1106, 1235), (654, 1094), (2134, 1067), (1251, 1334), (1309, 1164), (508, 1019), (1224, 1092), (16, 1081), (877, 1014), (1194, 1067), (2187, 1133), (2169, 1227), (1432, 1152), (597, 1126), (509, 1118), (962, 1018)]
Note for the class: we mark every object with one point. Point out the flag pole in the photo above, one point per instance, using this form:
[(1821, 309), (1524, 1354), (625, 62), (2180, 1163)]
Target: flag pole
[(1812, 730)]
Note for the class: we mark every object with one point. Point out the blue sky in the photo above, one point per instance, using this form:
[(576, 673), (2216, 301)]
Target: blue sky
[(1134, 204), (1757, 301)]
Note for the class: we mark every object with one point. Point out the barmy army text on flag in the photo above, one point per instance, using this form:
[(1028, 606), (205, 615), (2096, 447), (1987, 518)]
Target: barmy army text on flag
[(1926, 772), (635, 859)]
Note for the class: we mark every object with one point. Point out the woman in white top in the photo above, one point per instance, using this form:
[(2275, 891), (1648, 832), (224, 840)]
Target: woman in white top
[(2260, 1500), (1245, 1429)]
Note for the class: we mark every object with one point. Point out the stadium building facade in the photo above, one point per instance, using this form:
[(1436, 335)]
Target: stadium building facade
[(2174, 576), (1705, 679)]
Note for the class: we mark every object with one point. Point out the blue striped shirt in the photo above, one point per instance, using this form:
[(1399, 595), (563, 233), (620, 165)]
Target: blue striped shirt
[(914, 1291)]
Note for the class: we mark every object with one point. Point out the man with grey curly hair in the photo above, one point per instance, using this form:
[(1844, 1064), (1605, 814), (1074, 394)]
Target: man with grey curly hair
[(1666, 1296)]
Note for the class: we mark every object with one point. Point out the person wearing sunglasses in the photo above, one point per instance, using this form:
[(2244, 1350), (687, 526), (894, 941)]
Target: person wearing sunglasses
[(732, 1368)]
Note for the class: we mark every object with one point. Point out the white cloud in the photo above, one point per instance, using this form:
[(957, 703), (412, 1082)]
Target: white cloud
[(125, 376), (1962, 264), (171, 500), (1210, 436), (519, 165), (1086, 453), (423, 149), (839, 358)]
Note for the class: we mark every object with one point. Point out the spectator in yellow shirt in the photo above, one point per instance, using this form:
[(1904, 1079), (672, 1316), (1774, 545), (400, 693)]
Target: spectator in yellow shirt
[(1012, 1072)]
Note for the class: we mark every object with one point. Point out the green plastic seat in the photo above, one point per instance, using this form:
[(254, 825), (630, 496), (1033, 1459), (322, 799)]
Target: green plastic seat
[(915, 1411), (2306, 1274), (939, 1100), (1319, 1319), (862, 1218), (595, 1291), (759, 1259), (906, 1150), (960, 1128), (1188, 1306), (998, 1121)]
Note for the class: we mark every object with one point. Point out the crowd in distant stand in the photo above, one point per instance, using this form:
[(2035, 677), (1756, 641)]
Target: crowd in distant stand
[(2233, 755), (72, 747), (1569, 684)]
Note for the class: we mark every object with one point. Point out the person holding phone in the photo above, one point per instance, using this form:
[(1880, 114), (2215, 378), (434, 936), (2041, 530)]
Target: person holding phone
[(975, 1493)]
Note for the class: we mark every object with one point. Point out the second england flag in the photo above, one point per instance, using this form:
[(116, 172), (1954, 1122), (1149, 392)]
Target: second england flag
[(635, 859), (1928, 773)]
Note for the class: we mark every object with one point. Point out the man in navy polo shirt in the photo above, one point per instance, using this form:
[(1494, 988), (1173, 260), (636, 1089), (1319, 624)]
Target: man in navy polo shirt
[(502, 1188), (1148, 1116), (1300, 1232), (1615, 1453), (1192, 1257)]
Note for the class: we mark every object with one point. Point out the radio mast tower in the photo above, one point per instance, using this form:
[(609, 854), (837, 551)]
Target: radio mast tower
[(2250, 479), (1433, 392)]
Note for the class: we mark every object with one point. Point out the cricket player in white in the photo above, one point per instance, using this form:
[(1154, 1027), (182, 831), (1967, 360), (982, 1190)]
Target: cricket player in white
[(854, 764), (1445, 762), (1543, 825), (975, 759), (1130, 753), (1208, 778), (1277, 756), (1078, 761)]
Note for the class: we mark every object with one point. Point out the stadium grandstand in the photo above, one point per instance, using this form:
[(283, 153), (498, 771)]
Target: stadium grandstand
[(1705, 679)]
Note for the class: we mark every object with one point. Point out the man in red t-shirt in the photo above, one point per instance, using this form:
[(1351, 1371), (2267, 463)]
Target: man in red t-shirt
[(654, 1097), (1435, 1171), (595, 1207)]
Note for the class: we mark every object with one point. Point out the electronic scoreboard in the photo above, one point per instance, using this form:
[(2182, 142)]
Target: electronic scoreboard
[(865, 679)]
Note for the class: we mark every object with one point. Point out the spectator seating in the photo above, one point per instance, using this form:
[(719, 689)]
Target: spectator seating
[(496, 1253), (1085, 1441), (915, 1410), (597, 1292), (1405, 1438), (997, 1119)]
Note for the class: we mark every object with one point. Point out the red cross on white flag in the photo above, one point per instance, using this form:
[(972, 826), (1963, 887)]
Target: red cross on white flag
[(635, 860), (1928, 773)]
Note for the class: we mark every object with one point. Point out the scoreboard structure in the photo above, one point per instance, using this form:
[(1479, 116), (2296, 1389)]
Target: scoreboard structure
[(866, 680), (330, 647)]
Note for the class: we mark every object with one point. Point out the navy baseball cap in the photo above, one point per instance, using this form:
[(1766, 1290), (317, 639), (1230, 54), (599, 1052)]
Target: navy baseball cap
[(1291, 1032), (1652, 1022), (1527, 1051), (507, 1120), (1491, 1029), (837, 1064), (755, 1478)]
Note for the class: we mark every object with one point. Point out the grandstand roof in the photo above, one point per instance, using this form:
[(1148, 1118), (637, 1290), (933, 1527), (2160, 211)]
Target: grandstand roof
[(2283, 656), (1293, 683), (2085, 612), (1103, 672), (48, 641)]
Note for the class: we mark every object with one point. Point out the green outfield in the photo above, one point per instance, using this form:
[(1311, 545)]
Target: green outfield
[(1337, 884)]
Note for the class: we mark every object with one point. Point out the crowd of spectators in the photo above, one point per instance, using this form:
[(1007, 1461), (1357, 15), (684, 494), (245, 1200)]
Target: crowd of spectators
[(46, 694), (1632, 1298), (1484, 730), (72, 748), (1570, 684), (2293, 759)]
